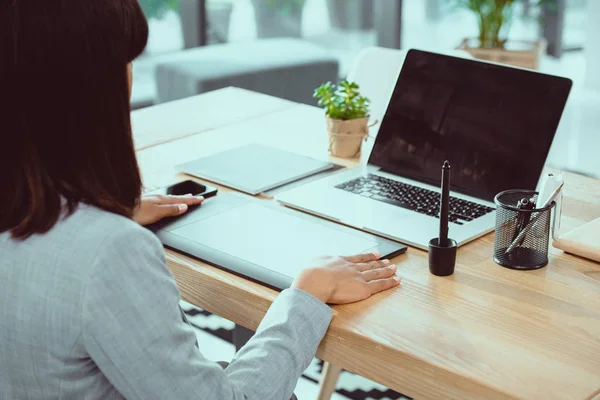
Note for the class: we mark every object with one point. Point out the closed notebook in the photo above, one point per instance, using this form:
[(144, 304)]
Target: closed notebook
[(583, 241), (255, 168)]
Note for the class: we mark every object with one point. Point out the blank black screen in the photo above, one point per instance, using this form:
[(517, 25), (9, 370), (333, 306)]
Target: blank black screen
[(494, 124)]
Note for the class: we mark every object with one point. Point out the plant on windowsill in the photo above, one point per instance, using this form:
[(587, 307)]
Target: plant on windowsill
[(347, 113), (494, 18)]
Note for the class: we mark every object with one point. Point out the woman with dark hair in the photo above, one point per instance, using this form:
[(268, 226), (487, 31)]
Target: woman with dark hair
[(87, 304)]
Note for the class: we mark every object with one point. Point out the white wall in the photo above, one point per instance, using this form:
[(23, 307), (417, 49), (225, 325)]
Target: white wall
[(592, 45)]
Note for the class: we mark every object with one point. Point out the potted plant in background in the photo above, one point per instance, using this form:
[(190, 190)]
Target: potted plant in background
[(494, 18), (347, 114), (278, 18)]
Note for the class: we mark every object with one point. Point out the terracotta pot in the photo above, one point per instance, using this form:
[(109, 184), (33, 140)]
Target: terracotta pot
[(346, 136), (518, 53)]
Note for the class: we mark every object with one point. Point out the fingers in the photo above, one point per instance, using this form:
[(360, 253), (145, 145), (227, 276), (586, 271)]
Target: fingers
[(170, 210), (383, 284), (373, 265), (187, 199), (363, 258), (379, 273)]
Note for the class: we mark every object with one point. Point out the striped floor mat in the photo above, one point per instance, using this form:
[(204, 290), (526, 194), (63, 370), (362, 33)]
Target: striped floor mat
[(215, 335)]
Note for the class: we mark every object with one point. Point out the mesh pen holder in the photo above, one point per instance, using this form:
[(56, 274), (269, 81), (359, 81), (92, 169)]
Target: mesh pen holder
[(521, 236)]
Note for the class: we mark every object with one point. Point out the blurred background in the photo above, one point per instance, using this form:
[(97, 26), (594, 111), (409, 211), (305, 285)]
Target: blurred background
[(201, 45), (344, 27)]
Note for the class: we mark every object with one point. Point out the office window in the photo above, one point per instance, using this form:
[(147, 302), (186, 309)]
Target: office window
[(343, 27)]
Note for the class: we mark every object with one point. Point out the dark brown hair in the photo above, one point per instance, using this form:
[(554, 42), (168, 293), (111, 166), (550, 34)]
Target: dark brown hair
[(65, 130)]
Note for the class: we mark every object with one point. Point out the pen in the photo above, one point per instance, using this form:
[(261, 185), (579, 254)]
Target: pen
[(523, 217), (442, 249), (523, 232), (444, 205)]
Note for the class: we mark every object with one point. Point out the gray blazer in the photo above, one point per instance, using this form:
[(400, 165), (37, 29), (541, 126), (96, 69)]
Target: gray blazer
[(90, 311)]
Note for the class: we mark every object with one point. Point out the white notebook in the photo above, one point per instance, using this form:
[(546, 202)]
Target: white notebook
[(254, 168), (582, 241)]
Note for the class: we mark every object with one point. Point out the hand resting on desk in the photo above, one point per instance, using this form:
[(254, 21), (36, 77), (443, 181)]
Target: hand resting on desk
[(153, 208), (341, 280)]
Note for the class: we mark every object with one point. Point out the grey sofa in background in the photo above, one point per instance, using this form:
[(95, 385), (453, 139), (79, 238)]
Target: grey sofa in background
[(284, 67)]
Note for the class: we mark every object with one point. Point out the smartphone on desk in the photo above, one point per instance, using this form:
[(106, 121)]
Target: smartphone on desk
[(181, 189), (187, 187)]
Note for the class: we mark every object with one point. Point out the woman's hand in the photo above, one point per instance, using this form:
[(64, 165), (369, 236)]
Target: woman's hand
[(340, 280), (153, 208)]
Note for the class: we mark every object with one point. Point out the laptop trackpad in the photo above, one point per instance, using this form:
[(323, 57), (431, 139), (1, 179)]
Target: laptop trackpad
[(277, 240)]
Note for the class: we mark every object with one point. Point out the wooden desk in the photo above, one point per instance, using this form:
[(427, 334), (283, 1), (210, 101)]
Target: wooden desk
[(486, 332)]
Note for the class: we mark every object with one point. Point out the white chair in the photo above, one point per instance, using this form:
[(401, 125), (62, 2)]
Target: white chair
[(376, 71)]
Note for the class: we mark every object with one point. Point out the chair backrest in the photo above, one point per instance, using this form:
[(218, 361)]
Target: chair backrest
[(376, 71)]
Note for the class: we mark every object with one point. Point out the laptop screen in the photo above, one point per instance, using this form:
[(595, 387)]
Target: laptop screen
[(494, 124)]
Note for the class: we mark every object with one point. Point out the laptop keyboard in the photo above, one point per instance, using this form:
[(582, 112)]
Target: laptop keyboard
[(414, 198)]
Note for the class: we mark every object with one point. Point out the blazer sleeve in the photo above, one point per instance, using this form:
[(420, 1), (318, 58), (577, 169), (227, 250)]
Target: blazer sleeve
[(133, 331)]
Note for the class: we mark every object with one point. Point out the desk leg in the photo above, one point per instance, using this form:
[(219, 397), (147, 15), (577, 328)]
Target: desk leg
[(329, 379)]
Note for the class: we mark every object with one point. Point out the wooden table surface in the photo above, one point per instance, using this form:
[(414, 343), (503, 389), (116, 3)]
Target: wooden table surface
[(486, 332)]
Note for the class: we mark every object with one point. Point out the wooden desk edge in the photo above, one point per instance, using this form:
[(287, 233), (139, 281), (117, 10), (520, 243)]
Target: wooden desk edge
[(594, 396), (204, 285)]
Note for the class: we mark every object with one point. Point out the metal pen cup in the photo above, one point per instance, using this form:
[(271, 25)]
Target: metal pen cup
[(519, 246)]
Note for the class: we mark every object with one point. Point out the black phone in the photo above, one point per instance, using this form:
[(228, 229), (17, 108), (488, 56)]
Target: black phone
[(187, 187)]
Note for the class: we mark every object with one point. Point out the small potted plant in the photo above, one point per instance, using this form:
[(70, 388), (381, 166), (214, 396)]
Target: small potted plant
[(494, 18), (347, 113)]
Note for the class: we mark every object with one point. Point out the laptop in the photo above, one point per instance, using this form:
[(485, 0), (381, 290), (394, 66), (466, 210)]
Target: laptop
[(495, 125)]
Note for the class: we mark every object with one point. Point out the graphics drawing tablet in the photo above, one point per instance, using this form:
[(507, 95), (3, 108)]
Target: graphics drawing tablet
[(263, 241)]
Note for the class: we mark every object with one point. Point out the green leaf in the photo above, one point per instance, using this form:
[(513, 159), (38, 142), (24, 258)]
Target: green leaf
[(343, 101), (494, 18)]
